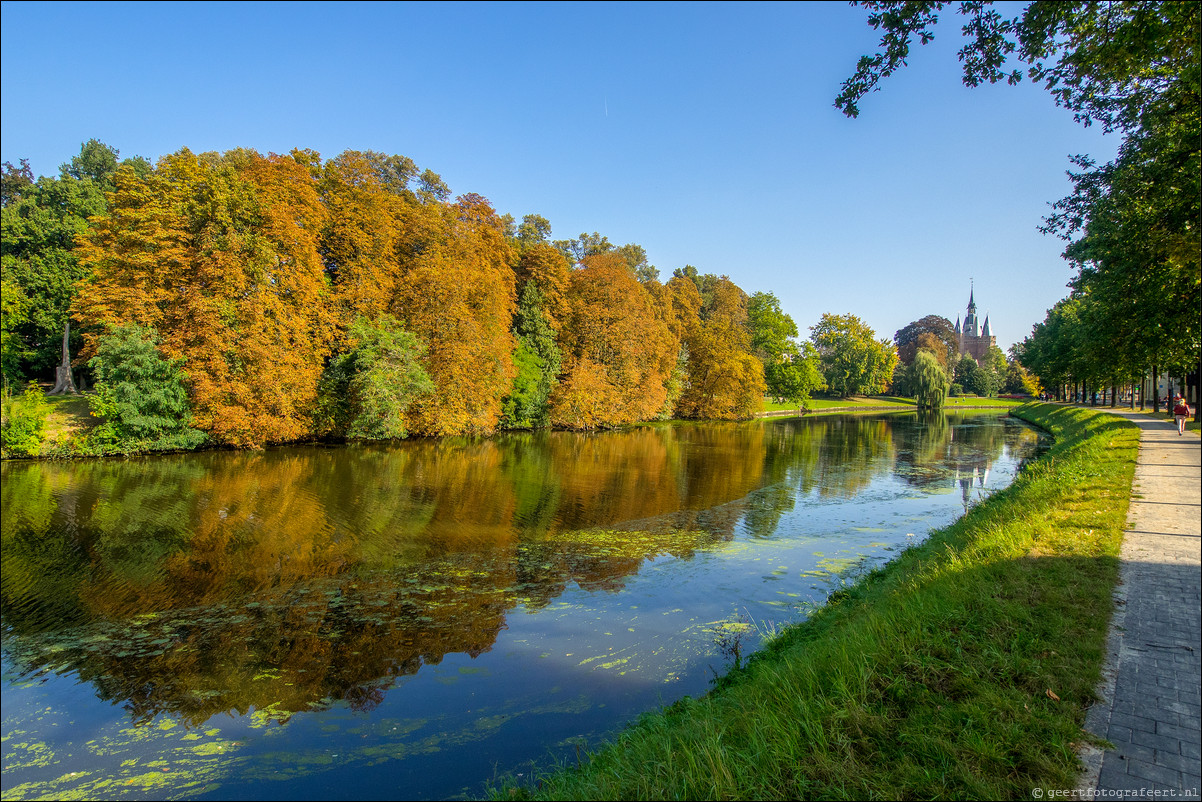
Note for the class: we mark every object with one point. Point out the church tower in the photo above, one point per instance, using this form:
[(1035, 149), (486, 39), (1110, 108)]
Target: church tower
[(975, 340)]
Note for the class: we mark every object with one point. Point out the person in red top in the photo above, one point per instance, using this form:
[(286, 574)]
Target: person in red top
[(1180, 412)]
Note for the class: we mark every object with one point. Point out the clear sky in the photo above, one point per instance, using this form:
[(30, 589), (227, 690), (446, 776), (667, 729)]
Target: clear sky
[(704, 132)]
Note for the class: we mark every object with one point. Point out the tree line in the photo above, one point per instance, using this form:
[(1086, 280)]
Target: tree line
[(244, 299), (1133, 224)]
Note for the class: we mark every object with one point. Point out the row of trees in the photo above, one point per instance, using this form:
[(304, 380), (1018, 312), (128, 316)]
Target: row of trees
[(1133, 225), (265, 299), (930, 366)]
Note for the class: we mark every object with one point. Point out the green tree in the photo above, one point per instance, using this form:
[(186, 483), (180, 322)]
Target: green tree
[(140, 394), (538, 363), (771, 329), (14, 308), (578, 249), (534, 229), (974, 378), (928, 380), (1130, 66), (798, 374), (854, 362), (365, 393), (1107, 62), (39, 223)]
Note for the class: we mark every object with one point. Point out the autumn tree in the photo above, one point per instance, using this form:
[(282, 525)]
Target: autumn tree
[(548, 270), (455, 291), (933, 332), (617, 352), (219, 255), (725, 379), (365, 194)]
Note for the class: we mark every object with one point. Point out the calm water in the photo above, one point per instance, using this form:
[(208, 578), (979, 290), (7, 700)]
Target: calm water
[(409, 621)]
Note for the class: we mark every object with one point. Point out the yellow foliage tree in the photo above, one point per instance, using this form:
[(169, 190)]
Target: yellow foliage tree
[(219, 254), (618, 353), (455, 291), (725, 380)]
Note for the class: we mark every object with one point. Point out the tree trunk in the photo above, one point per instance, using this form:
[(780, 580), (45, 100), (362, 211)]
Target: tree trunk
[(1155, 389), (1197, 394), (63, 382)]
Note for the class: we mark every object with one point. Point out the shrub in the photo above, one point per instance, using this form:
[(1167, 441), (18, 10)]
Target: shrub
[(23, 422), (366, 392), (140, 395)]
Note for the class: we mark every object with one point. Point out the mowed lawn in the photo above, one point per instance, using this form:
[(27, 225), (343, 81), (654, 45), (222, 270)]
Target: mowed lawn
[(887, 402)]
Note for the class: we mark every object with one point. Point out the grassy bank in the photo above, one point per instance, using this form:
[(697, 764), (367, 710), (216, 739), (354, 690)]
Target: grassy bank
[(887, 402), (961, 670)]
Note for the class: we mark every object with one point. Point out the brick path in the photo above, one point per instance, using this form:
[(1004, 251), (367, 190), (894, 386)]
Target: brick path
[(1151, 707)]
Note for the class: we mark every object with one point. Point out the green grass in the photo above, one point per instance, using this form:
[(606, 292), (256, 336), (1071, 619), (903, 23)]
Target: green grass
[(820, 404), (886, 401), (70, 416), (961, 670)]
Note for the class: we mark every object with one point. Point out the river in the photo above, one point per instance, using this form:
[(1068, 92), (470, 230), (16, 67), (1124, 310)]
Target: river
[(409, 621)]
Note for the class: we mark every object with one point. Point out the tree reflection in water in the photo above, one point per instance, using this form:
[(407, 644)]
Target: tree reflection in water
[(295, 578)]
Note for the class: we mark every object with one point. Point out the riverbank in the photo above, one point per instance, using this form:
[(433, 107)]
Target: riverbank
[(962, 669), (70, 420), (823, 406)]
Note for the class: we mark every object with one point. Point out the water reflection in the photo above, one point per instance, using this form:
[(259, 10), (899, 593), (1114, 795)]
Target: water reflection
[(300, 578)]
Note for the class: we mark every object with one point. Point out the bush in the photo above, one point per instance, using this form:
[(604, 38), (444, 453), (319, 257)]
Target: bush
[(23, 422), (365, 393), (140, 395)]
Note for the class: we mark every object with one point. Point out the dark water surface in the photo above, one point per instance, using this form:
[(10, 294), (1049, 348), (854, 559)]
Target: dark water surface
[(409, 621)]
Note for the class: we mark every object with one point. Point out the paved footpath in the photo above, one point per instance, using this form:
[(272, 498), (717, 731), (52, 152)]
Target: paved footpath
[(1151, 707)]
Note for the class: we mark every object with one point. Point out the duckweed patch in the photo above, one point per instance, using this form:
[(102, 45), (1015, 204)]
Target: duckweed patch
[(389, 637)]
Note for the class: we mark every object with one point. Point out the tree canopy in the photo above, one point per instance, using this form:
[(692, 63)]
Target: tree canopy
[(1132, 224), (933, 332), (853, 361)]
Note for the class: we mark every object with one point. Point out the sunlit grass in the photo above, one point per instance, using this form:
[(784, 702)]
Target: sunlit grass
[(70, 416), (886, 401), (963, 669)]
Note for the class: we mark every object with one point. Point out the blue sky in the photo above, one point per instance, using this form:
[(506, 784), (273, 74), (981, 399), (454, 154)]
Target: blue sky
[(704, 132)]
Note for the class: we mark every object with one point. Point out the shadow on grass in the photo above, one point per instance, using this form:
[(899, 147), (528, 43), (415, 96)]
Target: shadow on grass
[(963, 669)]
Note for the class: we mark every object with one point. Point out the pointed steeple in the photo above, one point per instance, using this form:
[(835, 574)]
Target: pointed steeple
[(985, 331), (957, 325)]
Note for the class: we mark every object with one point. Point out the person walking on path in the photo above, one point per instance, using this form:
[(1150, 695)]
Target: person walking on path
[(1150, 707), (1180, 413)]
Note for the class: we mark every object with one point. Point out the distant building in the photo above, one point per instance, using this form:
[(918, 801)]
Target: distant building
[(974, 341)]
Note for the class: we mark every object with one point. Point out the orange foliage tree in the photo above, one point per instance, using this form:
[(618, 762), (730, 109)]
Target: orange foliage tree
[(366, 195), (219, 255), (548, 268), (455, 291), (617, 352)]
